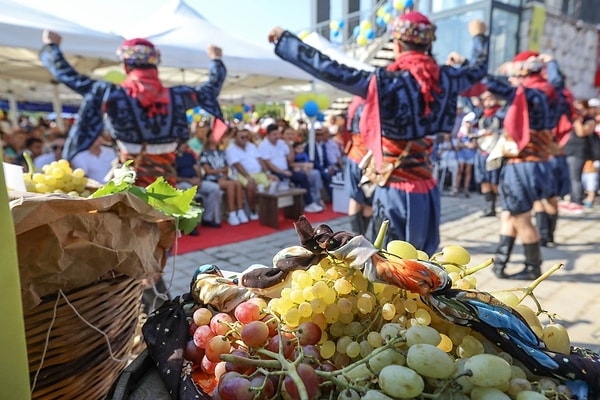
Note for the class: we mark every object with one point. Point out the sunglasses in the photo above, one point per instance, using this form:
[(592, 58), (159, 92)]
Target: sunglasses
[(243, 137), (57, 147)]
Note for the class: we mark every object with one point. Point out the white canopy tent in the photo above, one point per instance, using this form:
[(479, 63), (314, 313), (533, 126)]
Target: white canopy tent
[(22, 76), (255, 73)]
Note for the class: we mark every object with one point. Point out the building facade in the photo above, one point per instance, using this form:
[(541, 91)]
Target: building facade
[(566, 29)]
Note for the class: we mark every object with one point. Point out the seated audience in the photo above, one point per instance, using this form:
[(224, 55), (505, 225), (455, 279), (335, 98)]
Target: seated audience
[(249, 168), (214, 163), (188, 175), (97, 161), (54, 153), (277, 155)]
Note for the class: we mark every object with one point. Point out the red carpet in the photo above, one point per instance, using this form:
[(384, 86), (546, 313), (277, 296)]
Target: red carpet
[(226, 234)]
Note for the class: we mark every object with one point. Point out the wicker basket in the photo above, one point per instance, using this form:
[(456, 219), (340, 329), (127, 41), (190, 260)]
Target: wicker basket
[(71, 359)]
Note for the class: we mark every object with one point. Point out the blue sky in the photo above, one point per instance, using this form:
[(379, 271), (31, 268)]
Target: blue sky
[(250, 19)]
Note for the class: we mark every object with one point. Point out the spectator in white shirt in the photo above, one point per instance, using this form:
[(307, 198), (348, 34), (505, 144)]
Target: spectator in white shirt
[(97, 161), (248, 167), (278, 156), (53, 153)]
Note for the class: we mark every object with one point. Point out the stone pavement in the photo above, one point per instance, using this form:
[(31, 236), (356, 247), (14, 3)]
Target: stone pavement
[(573, 292)]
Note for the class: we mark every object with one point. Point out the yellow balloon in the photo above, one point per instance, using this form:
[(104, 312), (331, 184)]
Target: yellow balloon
[(387, 18), (246, 117), (255, 115), (361, 40), (301, 100), (334, 25), (302, 35), (312, 96), (381, 11), (114, 77), (238, 108), (399, 4), (323, 101), (197, 117), (365, 25)]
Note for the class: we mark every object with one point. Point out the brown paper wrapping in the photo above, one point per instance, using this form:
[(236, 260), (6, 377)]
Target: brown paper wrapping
[(66, 242)]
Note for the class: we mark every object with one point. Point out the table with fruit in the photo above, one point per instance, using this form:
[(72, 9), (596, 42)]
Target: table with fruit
[(338, 317)]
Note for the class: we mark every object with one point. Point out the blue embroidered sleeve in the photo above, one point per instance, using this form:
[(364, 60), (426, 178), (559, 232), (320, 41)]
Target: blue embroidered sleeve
[(500, 87), (476, 67), (53, 59), (322, 67), (206, 95)]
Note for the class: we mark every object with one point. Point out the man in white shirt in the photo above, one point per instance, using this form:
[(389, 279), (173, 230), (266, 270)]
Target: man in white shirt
[(251, 171), (278, 155), (96, 161), (54, 152)]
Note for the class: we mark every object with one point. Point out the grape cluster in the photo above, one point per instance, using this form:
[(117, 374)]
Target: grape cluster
[(332, 334), (58, 177)]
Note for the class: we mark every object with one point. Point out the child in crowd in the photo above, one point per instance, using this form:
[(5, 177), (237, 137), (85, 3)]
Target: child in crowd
[(589, 179)]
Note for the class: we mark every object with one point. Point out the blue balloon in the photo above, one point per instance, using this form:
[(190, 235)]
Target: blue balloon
[(311, 108), (336, 34), (341, 24), (356, 31), (370, 34), (320, 117), (190, 118), (408, 3), (238, 116), (247, 108), (380, 21), (387, 8)]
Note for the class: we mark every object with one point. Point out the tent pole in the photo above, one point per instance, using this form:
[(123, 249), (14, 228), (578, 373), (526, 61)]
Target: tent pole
[(13, 110), (57, 107)]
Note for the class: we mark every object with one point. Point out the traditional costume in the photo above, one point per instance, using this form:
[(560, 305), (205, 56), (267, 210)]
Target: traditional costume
[(352, 168), (489, 131), (410, 99), (526, 177), (145, 118)]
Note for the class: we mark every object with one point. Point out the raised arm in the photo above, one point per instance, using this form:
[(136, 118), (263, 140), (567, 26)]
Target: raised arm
[(474, 69), (207, 94), (292, 49), (53, 59)]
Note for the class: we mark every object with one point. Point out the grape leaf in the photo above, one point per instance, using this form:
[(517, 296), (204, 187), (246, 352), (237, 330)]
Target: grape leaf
[(179, 204)]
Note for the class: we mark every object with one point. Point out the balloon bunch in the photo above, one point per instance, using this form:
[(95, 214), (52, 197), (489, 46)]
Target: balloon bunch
[(364, 32), (244, 112), (196, 114), (384, 15), (336, 27), (403, 4), (313, 104)]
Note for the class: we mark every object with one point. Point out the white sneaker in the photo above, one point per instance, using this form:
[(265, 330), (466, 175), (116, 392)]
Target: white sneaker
[(254, 216), (241, 214), (233, 219), (313, 208)]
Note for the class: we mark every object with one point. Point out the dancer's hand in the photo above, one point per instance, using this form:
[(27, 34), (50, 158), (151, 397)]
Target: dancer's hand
[(477, 27), (275, 34), (50, 37), (214, 52)]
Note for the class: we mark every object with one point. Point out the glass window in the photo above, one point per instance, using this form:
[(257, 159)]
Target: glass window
[(515, 3), (443, 5), (504, 37), (452, 34)]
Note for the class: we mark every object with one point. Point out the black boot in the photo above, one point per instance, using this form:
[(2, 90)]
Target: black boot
[(533, 262), (503, 255), (366, 221), (552, 218), (357, 224), (543, 226), (490, 208)]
